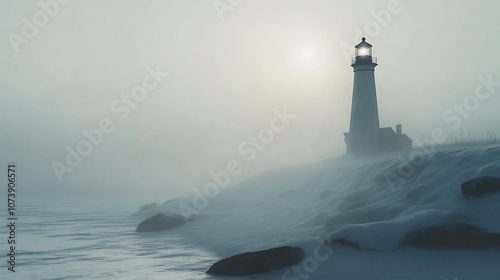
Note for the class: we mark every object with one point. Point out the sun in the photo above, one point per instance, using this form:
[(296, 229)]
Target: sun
[(307, 60), (307, 55)]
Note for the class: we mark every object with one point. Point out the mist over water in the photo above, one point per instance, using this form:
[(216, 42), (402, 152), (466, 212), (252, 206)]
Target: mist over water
[(227, 74)]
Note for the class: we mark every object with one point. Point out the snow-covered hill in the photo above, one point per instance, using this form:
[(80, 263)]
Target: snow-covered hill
[(371, 202)]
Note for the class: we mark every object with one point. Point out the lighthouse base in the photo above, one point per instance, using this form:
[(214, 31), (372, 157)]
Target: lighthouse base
[(385, 140)]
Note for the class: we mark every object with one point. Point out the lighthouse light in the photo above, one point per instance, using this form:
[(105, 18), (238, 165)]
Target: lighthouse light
[(363, 51)]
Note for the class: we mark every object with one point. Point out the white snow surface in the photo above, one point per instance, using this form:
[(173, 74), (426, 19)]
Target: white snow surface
[(353, 199)]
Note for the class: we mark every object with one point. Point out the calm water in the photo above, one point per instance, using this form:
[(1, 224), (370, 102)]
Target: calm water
[(96, 239)]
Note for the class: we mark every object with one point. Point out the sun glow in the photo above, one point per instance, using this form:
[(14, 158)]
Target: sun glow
[(307, 60), (307, 55)]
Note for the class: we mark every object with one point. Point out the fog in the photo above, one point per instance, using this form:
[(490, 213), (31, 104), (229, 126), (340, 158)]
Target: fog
[(235, 69)]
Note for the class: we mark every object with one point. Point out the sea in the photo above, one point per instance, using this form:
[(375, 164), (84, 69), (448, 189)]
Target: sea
[(63, 239)]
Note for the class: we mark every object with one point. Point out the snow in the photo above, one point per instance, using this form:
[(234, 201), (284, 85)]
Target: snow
[(352, 198)]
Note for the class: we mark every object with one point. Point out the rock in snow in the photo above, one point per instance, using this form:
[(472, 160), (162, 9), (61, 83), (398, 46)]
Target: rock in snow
[(481, 186), (257, 262), (161, 222), (454, 236)]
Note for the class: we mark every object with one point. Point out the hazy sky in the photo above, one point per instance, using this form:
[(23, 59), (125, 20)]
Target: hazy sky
[(231, 65)]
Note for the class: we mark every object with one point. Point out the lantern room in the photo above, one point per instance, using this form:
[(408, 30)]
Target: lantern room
[(363, 54), (363, 48)]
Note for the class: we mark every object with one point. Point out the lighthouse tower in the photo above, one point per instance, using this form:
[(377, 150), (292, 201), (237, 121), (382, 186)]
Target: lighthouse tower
[(364, 130), (365, 137)]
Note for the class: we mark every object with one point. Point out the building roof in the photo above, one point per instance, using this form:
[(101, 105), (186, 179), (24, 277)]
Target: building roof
[(363, 44), (390, 131), (387, 130)]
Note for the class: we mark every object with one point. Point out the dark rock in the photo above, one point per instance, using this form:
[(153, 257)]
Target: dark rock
[(343, 241), (454, 236), (161, 222), (481, 186), (257, 262)]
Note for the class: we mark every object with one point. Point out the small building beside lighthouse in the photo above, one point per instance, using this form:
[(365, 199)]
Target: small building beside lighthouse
[(365, 137)]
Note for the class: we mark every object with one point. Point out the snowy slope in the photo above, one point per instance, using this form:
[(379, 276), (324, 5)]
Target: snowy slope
[(371, 202)]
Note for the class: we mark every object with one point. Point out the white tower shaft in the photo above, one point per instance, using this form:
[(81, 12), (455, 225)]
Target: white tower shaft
[(364, 128)]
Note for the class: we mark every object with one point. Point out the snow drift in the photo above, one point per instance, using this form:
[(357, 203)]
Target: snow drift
[(371, 202)]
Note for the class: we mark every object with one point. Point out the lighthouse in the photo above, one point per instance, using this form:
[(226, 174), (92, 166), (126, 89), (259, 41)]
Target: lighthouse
[(365, 137)]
